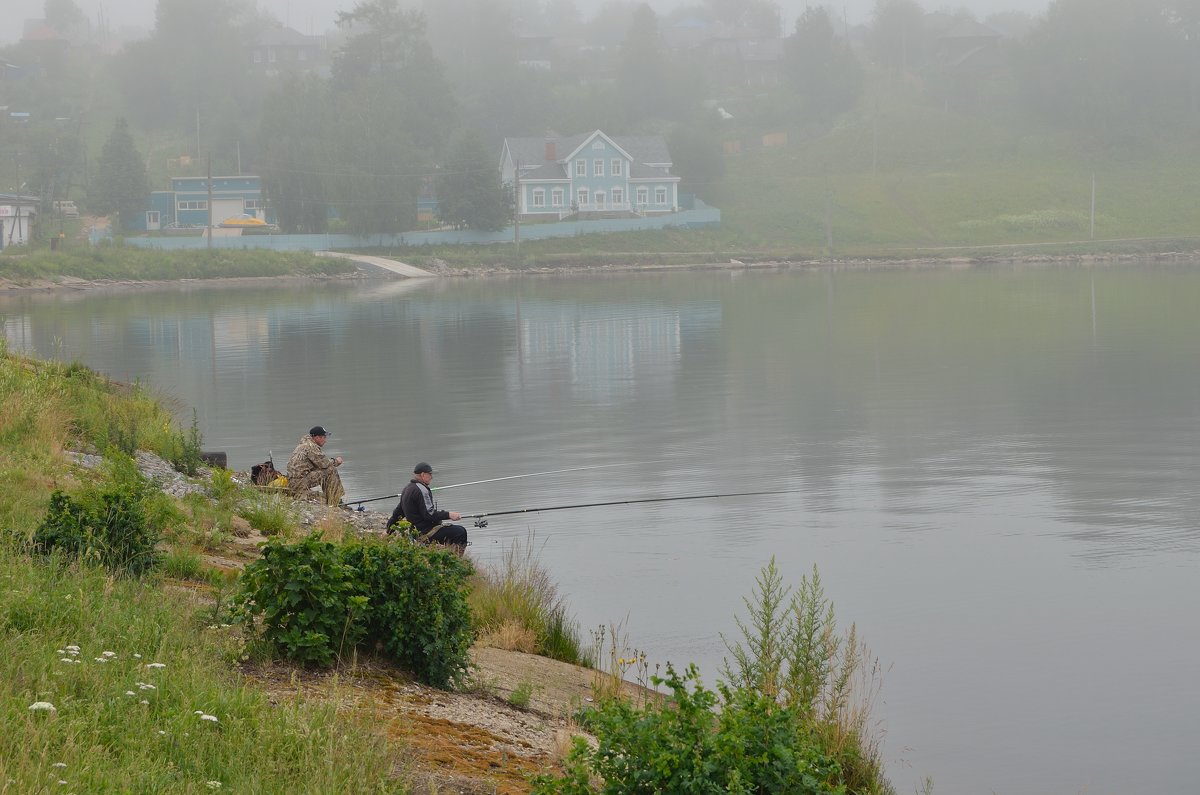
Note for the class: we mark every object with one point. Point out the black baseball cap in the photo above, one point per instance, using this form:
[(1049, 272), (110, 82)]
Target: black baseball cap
[(318, 430), (422, 467)]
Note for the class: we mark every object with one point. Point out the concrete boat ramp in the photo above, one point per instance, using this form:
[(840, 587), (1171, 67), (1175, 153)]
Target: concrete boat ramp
[(389, 265)]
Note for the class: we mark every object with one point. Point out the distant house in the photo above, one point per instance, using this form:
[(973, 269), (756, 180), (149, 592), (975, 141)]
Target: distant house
[(186, 204), (17, 213), (591, 174), (279, 49)]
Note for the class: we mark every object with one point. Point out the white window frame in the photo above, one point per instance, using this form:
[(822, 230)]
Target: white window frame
[(597, 144), (152, 217), (660, 196), (598, 167), (539, 197), (598, 199), (581, 168), (581, 197), (618, 196), (643, 196), (201, 204), (252, 204), (556, 197), (615, 168)]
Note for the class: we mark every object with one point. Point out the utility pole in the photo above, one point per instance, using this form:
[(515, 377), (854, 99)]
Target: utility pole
[(517, 209), (197, 133), (210, 219)]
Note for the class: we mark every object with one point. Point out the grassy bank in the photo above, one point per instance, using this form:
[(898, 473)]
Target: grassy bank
[(23, 266), (105, 685)]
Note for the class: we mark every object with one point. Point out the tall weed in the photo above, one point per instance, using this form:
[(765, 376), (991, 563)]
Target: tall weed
[(516, 598)]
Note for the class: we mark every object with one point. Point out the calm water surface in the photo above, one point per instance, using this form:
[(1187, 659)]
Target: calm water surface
[(994, 470)]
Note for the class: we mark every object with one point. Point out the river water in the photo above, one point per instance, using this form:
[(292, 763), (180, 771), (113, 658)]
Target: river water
[(994, 470)]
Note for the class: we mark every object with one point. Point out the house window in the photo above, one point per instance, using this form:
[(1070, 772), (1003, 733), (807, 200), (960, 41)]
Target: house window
[(597, 144), (582, 197), (556, 197), (258, 56), (152, 218), (196, 205), (581, 168), (252, 204), (643, 196), (539, 197), (599, 200), (616, 168), (618, 196), (660, 195), (271, 55), (597, 168)]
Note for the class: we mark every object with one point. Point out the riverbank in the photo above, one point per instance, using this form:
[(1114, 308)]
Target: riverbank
[(75, 636), (1088, 255)]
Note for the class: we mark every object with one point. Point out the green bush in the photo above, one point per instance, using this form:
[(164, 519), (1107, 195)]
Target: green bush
[(319, 601), (114, 526), (751, 744)]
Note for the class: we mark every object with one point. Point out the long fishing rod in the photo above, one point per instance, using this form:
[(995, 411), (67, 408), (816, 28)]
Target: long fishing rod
[(481, 518), (506, 477)]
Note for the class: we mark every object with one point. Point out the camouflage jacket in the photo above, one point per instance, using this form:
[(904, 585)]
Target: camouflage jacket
[(306, 458)]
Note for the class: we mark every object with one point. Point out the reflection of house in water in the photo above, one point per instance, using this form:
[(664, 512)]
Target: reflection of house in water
[(603, 352)]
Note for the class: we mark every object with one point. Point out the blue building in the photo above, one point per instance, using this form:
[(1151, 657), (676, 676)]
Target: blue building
[(186, 204), (590, 175)]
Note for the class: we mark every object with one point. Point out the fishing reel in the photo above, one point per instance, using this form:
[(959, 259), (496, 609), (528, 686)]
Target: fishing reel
[(481, 523)]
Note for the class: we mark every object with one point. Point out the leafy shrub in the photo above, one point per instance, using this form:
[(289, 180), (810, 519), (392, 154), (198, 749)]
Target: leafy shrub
[(114, 533), (418, 606), (320, 600), (751, 744)]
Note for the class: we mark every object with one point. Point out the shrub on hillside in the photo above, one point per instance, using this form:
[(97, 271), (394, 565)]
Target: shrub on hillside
[(750, 744), (113, 532), (319, 601)]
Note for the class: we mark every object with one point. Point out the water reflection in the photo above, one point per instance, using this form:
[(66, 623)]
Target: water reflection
[(994, 469)]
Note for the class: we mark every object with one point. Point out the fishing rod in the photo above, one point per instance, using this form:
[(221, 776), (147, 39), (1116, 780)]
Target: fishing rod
[(506, 477), (481, 518)]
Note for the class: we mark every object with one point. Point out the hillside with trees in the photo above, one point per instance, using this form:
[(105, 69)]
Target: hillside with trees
[(842, 129)]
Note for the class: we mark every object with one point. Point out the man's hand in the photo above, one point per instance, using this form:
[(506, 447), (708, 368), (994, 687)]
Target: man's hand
[(337, 460), (455, 516)]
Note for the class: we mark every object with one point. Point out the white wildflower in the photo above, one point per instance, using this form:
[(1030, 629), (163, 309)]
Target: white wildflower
[(130, 693), (163, 733), (144, 702), (59, 764), (213, 784), (145, 686), (101, 659), (108, 654), (137, 656), (60, 651), (210, 718), (42, 706), (66, 660), (198, 712), (73, 648), (156, 665)]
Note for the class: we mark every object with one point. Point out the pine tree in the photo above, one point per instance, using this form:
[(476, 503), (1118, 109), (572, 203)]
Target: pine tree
[(121, 184)]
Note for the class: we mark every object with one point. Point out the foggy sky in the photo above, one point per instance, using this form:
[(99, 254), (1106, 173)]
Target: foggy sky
[(316, 16)]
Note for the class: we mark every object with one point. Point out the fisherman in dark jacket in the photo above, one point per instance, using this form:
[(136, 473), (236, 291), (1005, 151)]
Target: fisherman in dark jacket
[(417, 506)]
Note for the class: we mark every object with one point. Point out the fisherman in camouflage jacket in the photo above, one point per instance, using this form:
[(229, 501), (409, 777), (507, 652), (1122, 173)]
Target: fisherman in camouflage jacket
[(309, 467)]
